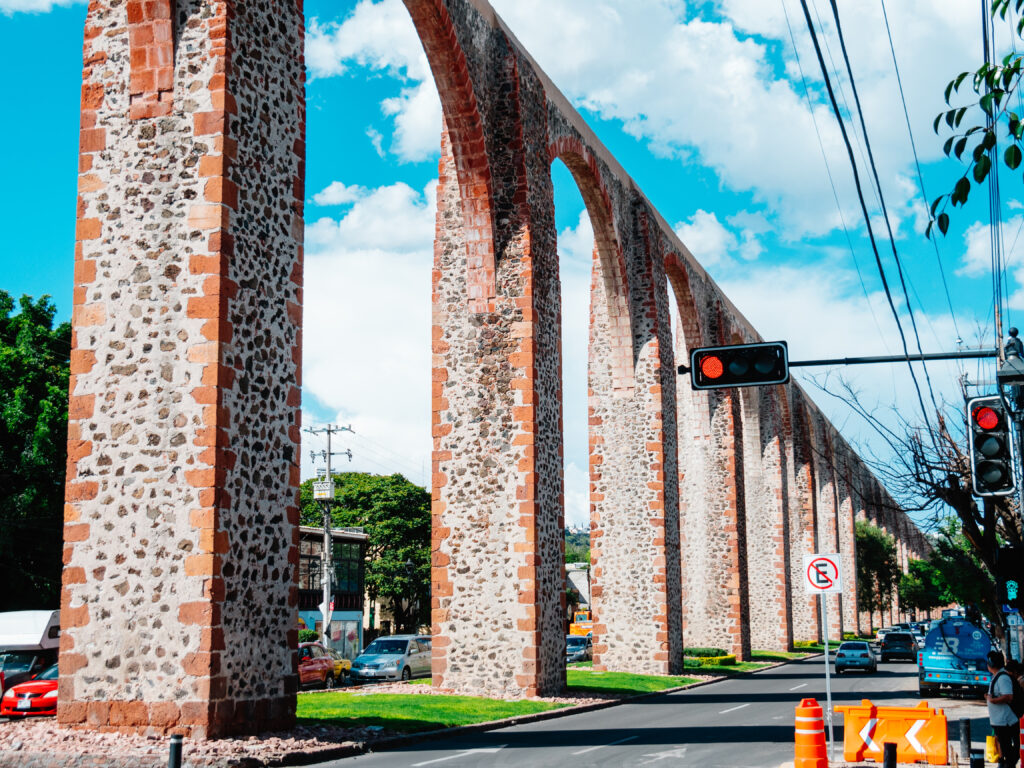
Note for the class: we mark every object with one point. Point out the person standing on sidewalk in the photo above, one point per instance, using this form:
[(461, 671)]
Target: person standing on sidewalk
[(1000, 716)]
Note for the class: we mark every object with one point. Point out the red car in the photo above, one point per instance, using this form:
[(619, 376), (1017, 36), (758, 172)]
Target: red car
[(38, 696), (316, 667)]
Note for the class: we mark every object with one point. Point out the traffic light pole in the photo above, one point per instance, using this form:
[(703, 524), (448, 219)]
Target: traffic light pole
[(971, 354)]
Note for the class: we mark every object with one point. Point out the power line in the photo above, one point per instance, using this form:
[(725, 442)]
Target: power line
[(864, 209), (831, 181), (917, 166), (885, 212)]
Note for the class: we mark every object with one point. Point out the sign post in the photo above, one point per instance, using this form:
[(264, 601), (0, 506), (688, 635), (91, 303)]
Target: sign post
[(823, 576)]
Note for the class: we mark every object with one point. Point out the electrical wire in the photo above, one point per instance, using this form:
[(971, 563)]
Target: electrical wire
[(917, 166), (885, 216), (864, 210), (831, 181)]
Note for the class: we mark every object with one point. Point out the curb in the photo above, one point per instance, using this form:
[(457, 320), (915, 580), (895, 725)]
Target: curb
[(396, 742)]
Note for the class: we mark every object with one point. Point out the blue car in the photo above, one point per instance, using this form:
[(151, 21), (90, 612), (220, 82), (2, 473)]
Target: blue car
[(855, 655)]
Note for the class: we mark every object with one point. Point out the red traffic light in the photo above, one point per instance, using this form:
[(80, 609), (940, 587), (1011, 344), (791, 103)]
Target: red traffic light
[(991, 447), (986, 417), (711, 366), (738, 365)]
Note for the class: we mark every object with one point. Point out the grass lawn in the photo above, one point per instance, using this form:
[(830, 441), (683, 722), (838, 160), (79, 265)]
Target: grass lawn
[(409, 713), (775, 656), (583, 681), (724, 669)]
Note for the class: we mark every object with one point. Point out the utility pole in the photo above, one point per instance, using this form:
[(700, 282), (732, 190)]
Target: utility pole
[(323, 492)]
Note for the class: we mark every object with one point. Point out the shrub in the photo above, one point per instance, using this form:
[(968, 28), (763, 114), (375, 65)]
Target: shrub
[(308, 636), (806, 644), (705, 652), (726, 660)]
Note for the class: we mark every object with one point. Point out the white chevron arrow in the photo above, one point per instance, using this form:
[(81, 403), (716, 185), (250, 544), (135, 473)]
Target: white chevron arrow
[(912, 735), (867, 732)]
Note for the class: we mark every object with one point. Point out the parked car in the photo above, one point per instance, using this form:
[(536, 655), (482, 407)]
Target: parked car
[(395, 657), (855, 654), (316, 667), (37, 696), (28, 644), (578, 648), (898, 645), (342, 665)]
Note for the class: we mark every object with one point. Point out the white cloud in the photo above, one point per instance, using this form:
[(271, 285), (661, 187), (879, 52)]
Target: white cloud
[(337, 193), (417, 113), (366, 348), (708, 240), (381, 37), (391, 219), (8, 7), (977, 259), (575, 257)]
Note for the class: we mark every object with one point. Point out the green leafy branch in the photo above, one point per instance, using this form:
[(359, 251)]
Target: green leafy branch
[(994, 86)]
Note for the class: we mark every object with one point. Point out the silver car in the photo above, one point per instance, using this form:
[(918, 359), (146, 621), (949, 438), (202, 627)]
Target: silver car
[(394, 657)]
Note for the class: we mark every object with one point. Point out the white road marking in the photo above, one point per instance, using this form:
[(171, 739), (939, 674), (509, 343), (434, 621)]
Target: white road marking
[(679, 752), (733, 709), (461, 753), (798, 687), (602, 746)]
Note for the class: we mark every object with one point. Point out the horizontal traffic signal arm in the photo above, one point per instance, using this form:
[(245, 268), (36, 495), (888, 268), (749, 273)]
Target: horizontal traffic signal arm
[(707, 382)]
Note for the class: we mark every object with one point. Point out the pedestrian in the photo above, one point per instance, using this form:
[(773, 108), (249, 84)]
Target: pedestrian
[(1000, 716)]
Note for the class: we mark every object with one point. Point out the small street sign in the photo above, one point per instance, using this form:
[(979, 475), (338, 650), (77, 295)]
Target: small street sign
[(822, 574), (323, 490)]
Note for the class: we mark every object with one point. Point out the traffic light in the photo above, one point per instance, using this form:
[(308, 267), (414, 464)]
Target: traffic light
[(739, 365), (991, 447), (1010, 577)]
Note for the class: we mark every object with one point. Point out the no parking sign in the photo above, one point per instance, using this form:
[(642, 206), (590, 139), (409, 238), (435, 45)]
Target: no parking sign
[(823, 574)]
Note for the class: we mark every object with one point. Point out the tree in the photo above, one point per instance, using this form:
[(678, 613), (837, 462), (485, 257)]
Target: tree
[(927, 471), (577, 547), (993, 87), (921, 588), (396, 517), (34, 365), (961, 574), (878, 570)]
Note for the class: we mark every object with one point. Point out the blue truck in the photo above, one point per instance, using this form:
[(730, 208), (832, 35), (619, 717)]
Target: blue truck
[(953, 656)]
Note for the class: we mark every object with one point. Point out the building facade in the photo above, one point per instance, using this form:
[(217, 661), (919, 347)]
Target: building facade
[(348, 566)]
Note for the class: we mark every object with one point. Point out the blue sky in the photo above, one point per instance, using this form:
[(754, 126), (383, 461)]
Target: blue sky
[(702, 103)]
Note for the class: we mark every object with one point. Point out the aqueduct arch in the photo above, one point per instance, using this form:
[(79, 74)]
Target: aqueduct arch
[(180, 590)]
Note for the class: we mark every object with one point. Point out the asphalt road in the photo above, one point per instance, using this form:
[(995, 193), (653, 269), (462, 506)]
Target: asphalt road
[(746, 721)]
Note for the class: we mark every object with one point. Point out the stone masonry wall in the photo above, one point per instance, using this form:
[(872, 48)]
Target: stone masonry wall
[(180, 539), (179, 584)]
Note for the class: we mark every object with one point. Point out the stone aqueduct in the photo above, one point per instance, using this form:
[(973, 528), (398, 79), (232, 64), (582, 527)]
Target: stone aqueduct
[(180, 594)]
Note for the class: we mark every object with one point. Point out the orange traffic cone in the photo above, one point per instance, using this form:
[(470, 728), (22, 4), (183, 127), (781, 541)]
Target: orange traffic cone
[(811, 751)]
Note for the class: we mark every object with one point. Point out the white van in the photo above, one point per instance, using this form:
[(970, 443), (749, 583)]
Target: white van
[(28, 644)]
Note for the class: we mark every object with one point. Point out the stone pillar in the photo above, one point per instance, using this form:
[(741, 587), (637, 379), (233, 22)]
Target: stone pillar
[(179, 600), (633, 469), (803, 520), (845, 531), (497, 576), (767, 523), (828, 510)]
